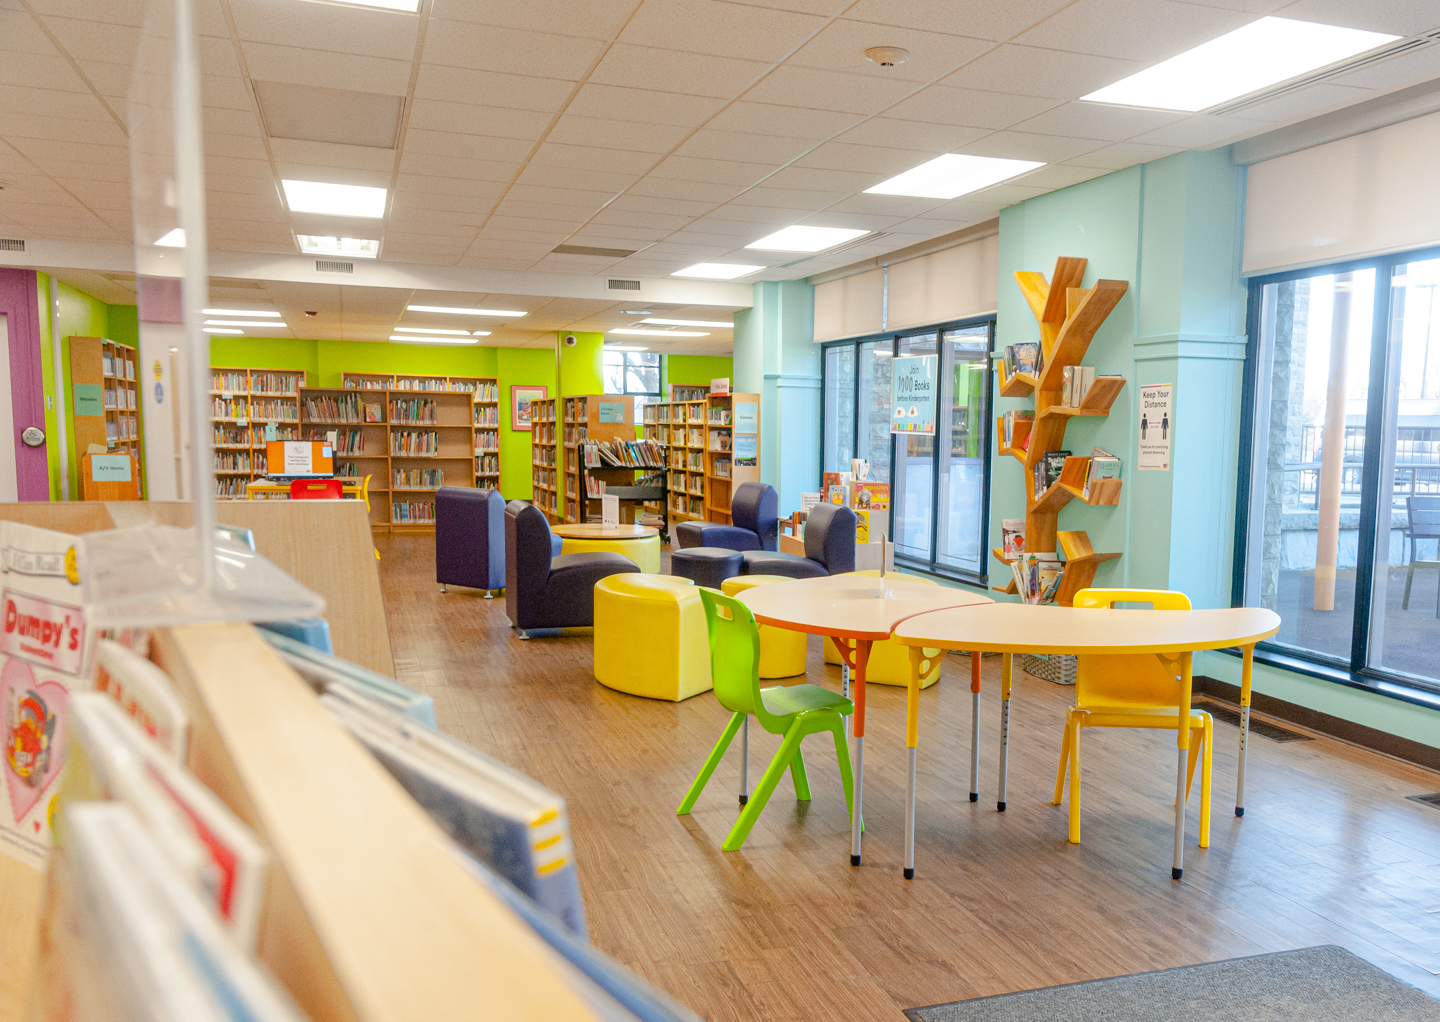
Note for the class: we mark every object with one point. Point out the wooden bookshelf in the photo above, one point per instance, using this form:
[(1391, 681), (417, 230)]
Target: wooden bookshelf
[(1068, 316), (485, 420), (546, 462), (104, 401), (242, 403), (722, 474), (592, 417), (410, 442), (699, 439)]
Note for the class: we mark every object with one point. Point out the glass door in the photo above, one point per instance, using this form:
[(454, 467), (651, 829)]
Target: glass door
[(963, 470), (912, 506)]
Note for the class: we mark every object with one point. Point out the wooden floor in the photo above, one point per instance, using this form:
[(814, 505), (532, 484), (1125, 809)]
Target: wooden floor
[(1329, 851)]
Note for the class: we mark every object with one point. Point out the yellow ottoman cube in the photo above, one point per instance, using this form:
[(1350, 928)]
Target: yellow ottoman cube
[(782, 650), (650, 636), (889, 662)]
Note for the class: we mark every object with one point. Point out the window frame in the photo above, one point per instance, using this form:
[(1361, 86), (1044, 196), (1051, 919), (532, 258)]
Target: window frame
[(659, 368), (931, 566), (1356, 672)]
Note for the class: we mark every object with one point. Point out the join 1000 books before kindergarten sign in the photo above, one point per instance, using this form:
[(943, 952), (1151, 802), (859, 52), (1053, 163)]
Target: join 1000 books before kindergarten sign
[(912, 394)]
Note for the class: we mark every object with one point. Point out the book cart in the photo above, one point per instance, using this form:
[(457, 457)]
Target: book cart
[(545, 463), (242, 403), (103, 374), (586, 418), (1068, 316)]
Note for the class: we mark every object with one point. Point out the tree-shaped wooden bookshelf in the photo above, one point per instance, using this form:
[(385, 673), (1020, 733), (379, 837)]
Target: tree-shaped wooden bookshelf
[(1069, 315)]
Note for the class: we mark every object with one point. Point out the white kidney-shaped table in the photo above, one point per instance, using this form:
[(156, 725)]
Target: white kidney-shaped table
[(854, 611), (1011, 628)]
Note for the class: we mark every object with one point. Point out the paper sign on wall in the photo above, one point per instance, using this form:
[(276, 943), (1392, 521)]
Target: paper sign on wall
[(912, 394), (609, 511), (747, 417), (1157, 426), (110, 468)]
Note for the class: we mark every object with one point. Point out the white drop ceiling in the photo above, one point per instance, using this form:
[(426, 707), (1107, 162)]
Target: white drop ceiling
[(681, 129)]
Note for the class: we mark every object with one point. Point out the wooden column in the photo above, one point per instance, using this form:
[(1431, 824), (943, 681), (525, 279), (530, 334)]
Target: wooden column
[(1332, 447)]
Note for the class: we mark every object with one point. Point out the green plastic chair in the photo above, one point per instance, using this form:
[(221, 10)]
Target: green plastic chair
[(793, 711)]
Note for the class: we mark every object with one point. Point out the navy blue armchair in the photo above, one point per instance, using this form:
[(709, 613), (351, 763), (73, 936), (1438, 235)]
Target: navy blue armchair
[(754, 517), (829, 547), (545, 589), (470, 538)]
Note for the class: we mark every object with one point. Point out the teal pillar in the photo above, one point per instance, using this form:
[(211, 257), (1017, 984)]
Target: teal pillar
[(776, 357)]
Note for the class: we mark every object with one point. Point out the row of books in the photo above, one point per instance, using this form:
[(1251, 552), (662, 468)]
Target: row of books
[(410, 443), (542, 455), (347, 442), (487, 442), (414, 410), (624, 454), (229, 382), (1102, 465), (1009, 433), (274, 410), (1037, 576), (487, 465), (1047, 470), (412, 512), (418, 478), (232, 461), (1025, 357), (543, 477), (124, 428), (275, 383), (487, 415), (122, 368), (223, 408), (345, 408)]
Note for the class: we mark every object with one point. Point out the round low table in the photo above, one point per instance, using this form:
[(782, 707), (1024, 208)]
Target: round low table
[(640, 543)]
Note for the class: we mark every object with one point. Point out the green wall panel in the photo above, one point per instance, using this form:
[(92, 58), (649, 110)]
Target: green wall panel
[(696, 369)]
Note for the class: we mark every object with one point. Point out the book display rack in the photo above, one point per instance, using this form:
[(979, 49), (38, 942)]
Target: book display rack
[(593, 417), (243, 402), (700, 438), (485, 395), (545, 463), (1068, 315)]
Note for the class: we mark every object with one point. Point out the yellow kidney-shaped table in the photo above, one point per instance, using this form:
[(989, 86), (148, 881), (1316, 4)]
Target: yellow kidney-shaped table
[(1011, 628), (640, 543), (855, 611)]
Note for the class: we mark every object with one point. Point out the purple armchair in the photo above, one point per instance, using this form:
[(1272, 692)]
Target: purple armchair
[(755, 514), (470, 538), (829, 547), (544, 589)]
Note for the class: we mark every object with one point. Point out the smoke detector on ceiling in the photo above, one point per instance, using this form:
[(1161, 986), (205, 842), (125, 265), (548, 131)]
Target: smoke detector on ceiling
[(887, 56)]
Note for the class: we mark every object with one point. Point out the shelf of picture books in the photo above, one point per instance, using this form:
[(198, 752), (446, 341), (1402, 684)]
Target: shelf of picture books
[(545, 460), (732, 450), (481, 387), (869, 500), (1046, 564), (249, 407), (202, 860), (408, 445), (486, 417)]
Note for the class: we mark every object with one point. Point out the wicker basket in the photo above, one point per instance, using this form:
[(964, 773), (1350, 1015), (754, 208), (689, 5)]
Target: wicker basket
[(1058, 668)]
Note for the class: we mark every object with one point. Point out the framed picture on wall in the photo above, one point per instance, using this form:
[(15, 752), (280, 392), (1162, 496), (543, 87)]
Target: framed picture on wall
[(521, 400)]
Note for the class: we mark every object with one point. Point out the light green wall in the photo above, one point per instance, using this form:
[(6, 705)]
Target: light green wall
[(80, 315), (695, 369), (533, 367), (1171, 228)]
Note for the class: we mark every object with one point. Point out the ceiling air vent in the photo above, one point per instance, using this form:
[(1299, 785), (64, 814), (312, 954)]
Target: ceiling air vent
[(1365, 59), (622, 285), (587, 250), (333, 266), (11, 245)]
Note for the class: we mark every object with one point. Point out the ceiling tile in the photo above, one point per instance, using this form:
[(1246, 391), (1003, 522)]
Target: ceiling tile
[(1199, 131), (979, 19), (645, 105), (751, 213), (613, 182), (1411, 68), (582, 159), (1031, 71), (296, 66), (81, 106), (942, 104), (1055, 176), (843, 182), (902, 206), (1397, 17), (720, 29), (686, 168), (1121, 155), (520, 92), (787, 122), (1098, 121), (1153, 29), (39, 71), (672, 71), (893, 132), (841, 47), (665, 221), (467, 147), (604, 133), (669, 188), (508, 50), (91, 39), (334, 28), (829, 90), (444, 166), (652, 204), (1020, 145), (719, 145), (863, 159), (595, 19), (474, 119)]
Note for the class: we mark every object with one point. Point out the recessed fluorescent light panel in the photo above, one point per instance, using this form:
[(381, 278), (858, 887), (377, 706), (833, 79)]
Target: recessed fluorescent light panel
[(409, 6), (716, 271), (174, 238), (356, 248), (624, 347), (334, 200), (408, 339), (464, 312), (428, 330), (1238, 63), (950, 175), (240, 312), (717, 324), (269, 324), (660, 333), (800, 238), (222, 330)]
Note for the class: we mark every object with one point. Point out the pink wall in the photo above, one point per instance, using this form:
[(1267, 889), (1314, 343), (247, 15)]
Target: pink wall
[(20, 302)]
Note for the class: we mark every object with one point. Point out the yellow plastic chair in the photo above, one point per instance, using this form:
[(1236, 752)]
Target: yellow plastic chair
[(650, 636), (1139, 690), (889, 662), (365, 496), (782, 650)]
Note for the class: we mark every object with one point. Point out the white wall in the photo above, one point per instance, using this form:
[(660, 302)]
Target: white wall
[(1358, 196)]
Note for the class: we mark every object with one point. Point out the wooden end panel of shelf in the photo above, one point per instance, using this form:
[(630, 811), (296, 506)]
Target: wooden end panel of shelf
[(1081, 562), (1016, 385), (1092, 306)]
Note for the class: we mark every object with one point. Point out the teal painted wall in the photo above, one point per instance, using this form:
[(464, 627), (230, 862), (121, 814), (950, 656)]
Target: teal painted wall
[(776, 357), (1173, 229)]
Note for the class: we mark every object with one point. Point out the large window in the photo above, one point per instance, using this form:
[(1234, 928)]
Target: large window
[(939, 483), (1343, 517), (632, 372)]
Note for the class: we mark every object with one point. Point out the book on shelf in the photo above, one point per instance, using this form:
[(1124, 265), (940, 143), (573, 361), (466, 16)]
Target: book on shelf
[(1048, 469), (1012, 537), (145, 693), (1008, 431), (1075, 383), (871, 496), (1037, 577), (1024, 357), (1102, 465)]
